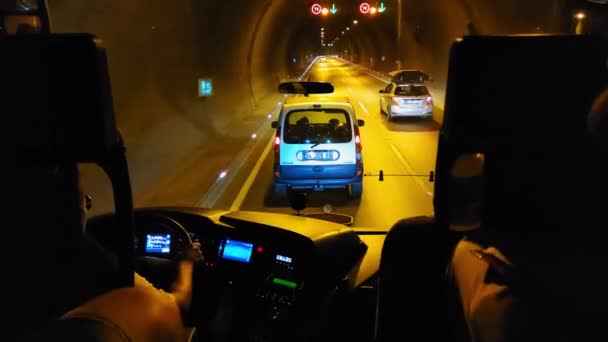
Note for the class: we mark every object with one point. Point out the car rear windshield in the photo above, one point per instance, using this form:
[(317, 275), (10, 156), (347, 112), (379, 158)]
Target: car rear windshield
[(324, 126), (411, 90)]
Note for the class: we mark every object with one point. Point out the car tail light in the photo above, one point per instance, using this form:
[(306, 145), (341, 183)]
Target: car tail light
[(395, 101), (429, 100), (277, 152), (358, 139), (358, 149)]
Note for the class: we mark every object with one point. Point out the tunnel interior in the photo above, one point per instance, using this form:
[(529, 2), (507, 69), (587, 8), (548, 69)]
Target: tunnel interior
[(158, 50)]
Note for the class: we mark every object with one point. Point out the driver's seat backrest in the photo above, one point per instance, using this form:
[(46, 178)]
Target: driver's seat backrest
[(57, 112), (411, 303)]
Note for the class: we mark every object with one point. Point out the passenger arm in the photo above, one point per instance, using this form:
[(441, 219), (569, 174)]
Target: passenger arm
[(487, 303)]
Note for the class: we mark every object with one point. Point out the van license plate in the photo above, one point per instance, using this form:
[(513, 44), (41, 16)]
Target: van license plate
[(319, 155)]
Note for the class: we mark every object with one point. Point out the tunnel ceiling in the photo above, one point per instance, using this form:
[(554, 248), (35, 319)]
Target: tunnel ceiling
[(427, 29), (303, 30)]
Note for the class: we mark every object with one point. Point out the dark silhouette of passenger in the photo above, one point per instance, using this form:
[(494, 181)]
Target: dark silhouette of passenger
[(342, 133), (333, 123), (302, 130)]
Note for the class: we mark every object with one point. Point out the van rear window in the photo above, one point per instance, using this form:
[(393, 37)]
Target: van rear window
[(325, 126)]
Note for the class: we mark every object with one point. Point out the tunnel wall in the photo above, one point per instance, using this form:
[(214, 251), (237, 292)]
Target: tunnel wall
[(430, 27), (157, 50)]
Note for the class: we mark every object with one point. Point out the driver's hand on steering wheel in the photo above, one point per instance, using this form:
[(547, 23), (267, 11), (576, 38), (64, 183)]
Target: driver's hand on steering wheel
[(146, 313), (182, 287)]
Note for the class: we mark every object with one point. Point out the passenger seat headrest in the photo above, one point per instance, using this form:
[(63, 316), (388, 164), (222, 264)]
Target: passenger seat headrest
[(523, 101), (56, 98), (57, 109)]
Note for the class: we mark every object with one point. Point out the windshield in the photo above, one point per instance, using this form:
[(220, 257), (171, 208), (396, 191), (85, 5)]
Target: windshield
[(317, 126), (411, 90), (195, 83)]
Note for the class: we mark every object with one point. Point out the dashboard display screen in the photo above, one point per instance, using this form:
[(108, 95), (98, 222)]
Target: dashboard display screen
[(283, 258), (237, 250), (158, 243)]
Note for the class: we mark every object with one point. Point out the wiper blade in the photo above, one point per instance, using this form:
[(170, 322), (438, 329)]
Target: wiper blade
[(315, 145)]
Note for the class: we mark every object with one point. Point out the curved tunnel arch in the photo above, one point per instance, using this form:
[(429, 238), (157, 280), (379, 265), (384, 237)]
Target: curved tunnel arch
[(157, 50)]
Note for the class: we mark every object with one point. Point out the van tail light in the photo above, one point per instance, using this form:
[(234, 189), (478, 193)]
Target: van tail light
[(358, 140), (429, 100), (358, 149), (277, 152)]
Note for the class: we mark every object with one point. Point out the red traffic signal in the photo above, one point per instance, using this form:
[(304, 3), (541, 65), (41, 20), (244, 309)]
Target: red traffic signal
[(316, 9), (364, 8)]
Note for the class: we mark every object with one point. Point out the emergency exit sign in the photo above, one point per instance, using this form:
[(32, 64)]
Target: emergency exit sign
[(205, 87)]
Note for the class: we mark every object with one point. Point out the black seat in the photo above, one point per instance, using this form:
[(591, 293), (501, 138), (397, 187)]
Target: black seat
[(411, 290), (523, 135), (57, 112)]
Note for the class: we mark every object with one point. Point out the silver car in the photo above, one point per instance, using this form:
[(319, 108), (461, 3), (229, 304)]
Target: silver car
[(406, 100)]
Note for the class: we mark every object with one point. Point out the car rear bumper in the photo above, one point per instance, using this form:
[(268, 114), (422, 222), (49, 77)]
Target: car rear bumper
[(317, 184), (319, 171), (416, 111)]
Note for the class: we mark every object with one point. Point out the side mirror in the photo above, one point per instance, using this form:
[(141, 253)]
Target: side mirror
[(381, 91), (361, 123), (274, 124), (306, 88)]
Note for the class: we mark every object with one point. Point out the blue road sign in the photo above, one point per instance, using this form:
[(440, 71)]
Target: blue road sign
[(205, 87)]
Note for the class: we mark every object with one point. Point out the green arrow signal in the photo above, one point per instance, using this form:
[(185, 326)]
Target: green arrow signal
[(333, 9), (382, 8)]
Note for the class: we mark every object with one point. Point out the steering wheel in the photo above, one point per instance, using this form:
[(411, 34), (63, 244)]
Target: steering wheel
[(162, 272), (208, 284)]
